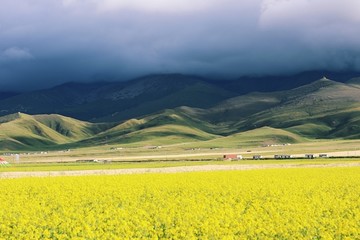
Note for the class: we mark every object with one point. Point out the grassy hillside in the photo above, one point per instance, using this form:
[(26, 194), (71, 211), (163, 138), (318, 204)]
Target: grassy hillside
[(257, 137), (234, 109), (328, 105), (23, 131), (71, 128), (323, 109), (26, 132), (168, 127)]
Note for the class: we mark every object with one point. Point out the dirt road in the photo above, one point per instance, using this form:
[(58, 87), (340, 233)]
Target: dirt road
[(203, 168)]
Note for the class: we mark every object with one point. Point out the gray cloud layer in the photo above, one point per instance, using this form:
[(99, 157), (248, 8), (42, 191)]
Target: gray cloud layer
[(47, 42)]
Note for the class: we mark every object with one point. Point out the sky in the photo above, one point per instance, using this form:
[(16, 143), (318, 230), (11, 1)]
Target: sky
[(44, 43)]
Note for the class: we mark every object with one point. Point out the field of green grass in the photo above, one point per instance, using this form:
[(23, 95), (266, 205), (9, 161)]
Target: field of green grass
[(202, 150), (74, 166)]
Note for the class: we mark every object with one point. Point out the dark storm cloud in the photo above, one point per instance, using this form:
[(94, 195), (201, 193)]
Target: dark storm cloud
[(47, 42)]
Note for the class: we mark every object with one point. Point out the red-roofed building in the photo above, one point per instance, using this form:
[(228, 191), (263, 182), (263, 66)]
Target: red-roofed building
[(232, 157), (3, 162)]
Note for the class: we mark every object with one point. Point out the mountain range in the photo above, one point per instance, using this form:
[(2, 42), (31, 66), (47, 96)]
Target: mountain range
[(175, 108)]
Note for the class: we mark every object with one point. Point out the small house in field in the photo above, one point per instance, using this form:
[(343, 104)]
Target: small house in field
[(282, 156), (3, 162), (257, 157), (323, 155), (232, 157), (309, 156)]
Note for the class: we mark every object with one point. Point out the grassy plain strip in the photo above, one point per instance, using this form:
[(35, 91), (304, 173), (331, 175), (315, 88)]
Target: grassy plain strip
[(174, 169), (73, 166)]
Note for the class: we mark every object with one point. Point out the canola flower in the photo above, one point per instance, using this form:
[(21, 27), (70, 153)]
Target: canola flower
[(256, 204)]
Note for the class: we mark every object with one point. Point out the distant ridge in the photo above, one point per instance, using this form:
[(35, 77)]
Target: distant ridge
[(355, 81), (323, 109), (118, 101), (4, 95)]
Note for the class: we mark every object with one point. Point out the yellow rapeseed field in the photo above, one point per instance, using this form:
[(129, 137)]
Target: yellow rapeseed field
[(256, 204)]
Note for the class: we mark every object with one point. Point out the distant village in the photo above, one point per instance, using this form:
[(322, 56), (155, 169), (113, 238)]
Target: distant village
[(276, 156), (14, 158)]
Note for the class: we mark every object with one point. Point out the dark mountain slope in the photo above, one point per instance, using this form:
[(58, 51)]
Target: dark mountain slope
[(103, 101), (322, 109), (246, 85), (4, 95)]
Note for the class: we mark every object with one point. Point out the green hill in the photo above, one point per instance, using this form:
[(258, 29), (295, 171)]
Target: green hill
[(257, 137), (323, 109), (26, 132), (327, 104), (23, 131), (168, 126), (71, 128)]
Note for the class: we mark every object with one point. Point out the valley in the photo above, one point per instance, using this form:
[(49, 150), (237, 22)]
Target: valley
[(319, 117)]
